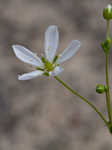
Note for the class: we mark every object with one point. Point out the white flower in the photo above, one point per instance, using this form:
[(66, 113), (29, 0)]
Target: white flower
[(50, 64)]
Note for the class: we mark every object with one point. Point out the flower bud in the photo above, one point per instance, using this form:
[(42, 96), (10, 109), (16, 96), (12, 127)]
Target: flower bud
[(100, 88), (106, 44), (107, 12)]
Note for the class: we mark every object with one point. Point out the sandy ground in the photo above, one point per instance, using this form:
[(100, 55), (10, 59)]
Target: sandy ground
[(40, 114)]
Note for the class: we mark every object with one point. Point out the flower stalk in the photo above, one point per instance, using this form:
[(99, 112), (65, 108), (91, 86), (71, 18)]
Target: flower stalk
[(82, 98), (108, 103), (108, 28), (108, 91)]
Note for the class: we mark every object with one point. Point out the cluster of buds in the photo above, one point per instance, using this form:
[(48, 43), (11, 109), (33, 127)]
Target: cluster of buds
[(107, 14)]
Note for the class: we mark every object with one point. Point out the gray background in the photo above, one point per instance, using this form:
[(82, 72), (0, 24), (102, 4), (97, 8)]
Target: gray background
[(40, 114)]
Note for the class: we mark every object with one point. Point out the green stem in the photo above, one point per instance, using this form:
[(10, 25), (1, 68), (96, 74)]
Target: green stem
[(108, 91), (84, 99), (108, 28)]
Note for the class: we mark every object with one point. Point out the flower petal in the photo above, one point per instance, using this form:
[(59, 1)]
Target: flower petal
[(56, 71), (69, 51), (30, 75), (51, 42), (26, 56)]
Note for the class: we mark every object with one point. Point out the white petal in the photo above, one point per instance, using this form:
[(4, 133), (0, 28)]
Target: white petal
[(56, 71), (27, 56), (69, 51), (51, 42), (30, 75)]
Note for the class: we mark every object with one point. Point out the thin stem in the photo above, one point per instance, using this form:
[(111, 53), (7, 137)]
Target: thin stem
[(108, 28), (84, 99), (108, 91)]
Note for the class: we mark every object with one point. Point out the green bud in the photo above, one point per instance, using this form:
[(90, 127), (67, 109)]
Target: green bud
[(106, 44), (107, 12), (100, 88)]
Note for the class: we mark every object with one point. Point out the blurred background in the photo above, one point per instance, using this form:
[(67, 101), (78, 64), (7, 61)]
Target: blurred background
[(40, 114)]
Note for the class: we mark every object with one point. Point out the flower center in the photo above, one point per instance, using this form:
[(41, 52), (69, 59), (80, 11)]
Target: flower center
[(48, 66)]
